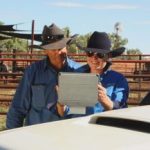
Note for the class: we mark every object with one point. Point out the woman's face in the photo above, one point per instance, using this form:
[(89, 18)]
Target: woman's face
[(96, 62)]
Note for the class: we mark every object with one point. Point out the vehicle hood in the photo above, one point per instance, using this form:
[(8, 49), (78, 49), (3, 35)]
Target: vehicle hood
[(80, 133)]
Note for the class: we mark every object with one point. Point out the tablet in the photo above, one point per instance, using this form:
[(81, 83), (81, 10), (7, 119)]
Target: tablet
[(78, 89)]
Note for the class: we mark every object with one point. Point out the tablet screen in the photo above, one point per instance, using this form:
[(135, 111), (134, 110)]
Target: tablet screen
[(78, 89)]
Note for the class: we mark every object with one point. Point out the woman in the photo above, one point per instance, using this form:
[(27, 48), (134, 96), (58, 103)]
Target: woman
[(113, 87)]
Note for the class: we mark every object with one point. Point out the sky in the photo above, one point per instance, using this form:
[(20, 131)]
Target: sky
[(84, 16)]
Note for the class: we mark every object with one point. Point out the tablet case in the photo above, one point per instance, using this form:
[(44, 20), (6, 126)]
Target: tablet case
[(78, 89)]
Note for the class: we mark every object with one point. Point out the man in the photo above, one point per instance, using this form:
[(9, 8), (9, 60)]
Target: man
[(113, 88), (36, 97)]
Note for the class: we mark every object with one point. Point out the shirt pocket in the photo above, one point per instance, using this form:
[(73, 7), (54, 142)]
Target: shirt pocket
[(38, 98)]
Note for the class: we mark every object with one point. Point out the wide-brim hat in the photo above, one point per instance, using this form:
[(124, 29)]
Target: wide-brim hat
[(99, 42), (54, 38)]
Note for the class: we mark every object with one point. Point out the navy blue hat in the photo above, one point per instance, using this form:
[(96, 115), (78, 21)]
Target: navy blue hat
[(99, 42)]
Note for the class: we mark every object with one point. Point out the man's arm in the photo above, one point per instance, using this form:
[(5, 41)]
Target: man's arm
[(77, 67), (20, 103)]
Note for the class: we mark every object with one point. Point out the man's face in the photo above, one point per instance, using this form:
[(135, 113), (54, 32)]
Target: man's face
[(57, 57), (96, 62)]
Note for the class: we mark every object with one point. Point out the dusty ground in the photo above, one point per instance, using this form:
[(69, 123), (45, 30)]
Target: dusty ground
[(2, 123)]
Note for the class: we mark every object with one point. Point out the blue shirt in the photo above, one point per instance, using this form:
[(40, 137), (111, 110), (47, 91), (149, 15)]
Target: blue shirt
[(117, 89), (36, 96)]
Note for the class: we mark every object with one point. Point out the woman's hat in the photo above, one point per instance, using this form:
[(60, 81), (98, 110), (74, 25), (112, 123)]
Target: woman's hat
[(54, 38), (99, 42)]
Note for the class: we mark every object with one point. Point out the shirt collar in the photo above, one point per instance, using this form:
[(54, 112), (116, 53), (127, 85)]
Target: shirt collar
[(65, 65), (101, 76)]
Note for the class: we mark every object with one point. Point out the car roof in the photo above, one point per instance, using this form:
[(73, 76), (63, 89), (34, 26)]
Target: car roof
[(139, 113), (84, 133)]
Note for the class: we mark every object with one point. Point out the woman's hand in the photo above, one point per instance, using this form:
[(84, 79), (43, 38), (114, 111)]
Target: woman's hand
[(103, 98)]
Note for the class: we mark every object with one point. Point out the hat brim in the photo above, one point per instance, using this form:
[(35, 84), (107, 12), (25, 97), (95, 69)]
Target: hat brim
[(56, 45), (117, 52), (52, 46), (111, 54)]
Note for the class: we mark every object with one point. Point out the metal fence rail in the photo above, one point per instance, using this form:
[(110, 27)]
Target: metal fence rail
[(134, 70)]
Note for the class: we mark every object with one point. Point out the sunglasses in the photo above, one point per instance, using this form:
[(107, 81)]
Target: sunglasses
[(99, 55)]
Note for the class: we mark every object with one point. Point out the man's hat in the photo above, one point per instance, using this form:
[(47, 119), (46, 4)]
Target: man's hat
[(54, 38), (99, 42)]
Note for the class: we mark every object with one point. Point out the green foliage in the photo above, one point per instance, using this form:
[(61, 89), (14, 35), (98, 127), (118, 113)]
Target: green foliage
[(133, 52), (2, 123), (82, 40), (21, 45), (1, 23), (13, 43), (117, 40), (3, 108), (66, 31)]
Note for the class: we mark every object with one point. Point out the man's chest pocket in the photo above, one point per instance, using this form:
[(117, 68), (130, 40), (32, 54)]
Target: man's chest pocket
[(38, 98)]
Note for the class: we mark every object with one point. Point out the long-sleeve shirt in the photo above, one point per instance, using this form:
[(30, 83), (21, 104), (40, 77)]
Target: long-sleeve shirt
[(36, 95), (117, 90)]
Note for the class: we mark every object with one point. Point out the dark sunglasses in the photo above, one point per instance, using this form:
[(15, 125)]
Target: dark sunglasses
[(99, 55)]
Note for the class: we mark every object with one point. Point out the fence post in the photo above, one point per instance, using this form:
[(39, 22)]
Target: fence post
[(14, 64), (139, 79)]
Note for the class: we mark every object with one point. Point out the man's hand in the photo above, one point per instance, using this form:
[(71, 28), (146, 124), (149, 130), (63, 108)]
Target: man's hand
[(61, 108)]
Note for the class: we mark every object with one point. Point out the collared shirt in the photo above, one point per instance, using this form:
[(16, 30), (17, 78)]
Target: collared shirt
[(117, 90), (36, 95)]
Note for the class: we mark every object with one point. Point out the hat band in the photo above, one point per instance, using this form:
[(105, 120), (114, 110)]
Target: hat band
[(51, 39)]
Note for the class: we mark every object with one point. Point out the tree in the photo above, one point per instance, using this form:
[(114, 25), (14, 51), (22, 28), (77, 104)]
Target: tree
[(66, 31), (13, 43), (82, 40), (133, 52), (117, 40)]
